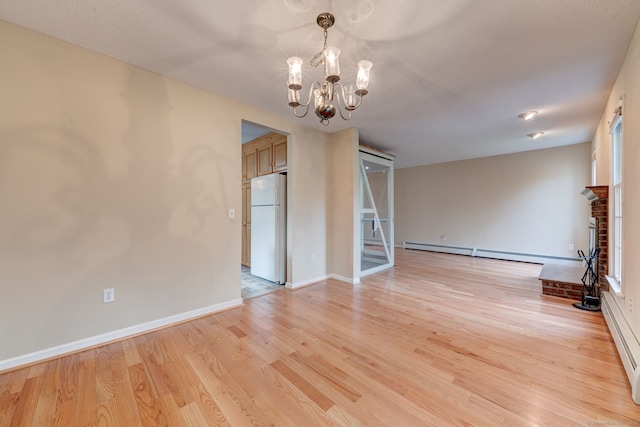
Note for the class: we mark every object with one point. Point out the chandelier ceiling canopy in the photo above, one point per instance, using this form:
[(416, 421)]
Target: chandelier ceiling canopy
[(347, 97)]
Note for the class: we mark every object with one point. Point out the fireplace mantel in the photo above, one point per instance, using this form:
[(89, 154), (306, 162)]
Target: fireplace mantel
[(600, 191)]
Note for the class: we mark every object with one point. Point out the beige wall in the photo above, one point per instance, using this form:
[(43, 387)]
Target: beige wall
[(627, 85), (112, 176), (526, 202), (308, 178), (342, 198)]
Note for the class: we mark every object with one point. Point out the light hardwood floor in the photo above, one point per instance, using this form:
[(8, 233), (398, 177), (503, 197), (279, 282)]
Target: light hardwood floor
[(439, 340)]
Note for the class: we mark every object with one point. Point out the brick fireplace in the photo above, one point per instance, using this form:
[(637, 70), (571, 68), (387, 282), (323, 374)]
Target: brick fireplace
[(564, 281), (599, 196)]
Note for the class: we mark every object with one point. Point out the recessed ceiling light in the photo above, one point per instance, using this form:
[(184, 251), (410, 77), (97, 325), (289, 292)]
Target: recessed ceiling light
[(535, 135), (528, 115)]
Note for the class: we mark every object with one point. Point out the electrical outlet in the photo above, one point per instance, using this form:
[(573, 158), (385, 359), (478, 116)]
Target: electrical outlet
[(630, 304), (108, 295), (570, 246)]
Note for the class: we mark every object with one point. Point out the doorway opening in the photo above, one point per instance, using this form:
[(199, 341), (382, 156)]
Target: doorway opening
[(264, 158), (376, 213)]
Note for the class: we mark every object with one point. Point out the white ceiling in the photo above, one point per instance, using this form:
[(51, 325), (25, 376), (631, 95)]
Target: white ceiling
[(448, 80)]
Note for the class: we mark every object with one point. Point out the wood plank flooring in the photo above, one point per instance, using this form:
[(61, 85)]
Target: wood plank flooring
[(439, 340)]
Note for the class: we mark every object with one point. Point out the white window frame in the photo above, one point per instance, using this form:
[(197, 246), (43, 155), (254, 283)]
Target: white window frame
[(617, 144)]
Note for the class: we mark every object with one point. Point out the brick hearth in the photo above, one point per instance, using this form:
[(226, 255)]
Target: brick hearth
[(562, 281)]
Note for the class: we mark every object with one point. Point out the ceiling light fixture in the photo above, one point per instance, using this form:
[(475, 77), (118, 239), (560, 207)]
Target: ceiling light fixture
[(348, 96), (528, 115), (535, 135)]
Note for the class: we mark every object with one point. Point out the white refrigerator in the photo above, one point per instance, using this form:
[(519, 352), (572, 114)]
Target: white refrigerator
[(268, 227)]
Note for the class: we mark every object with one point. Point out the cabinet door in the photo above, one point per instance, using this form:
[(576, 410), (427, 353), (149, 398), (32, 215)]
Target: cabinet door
[(249, 166), (245, 206), (246, 225), (246, 246), (244, 166), (265, 165), (280, 156), (247, 212)]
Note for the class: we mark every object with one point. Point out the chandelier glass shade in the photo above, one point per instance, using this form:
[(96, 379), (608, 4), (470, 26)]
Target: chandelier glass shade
[(324, 94)]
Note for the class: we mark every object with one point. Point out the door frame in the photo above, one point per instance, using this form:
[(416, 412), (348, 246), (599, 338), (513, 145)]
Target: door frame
[(388, 242)]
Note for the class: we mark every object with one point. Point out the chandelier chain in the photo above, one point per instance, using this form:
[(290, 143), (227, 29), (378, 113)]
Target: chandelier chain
[(319, 58), (325, 40)]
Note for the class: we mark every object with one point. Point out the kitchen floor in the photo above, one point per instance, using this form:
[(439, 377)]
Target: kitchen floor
[(253, 286)]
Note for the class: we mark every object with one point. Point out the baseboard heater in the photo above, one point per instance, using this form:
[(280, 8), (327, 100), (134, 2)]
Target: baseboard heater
[(625, 340), (488, 253)]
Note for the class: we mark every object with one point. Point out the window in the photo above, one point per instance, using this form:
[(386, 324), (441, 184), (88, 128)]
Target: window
[(615, 269)]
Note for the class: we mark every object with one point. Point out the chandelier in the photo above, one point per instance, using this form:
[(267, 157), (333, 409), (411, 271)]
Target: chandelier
[(347, 97)]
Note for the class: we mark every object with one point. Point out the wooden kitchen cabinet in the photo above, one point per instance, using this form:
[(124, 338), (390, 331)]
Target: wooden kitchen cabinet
[(249, 165), (280, 156), (265, 159), (264, 155)]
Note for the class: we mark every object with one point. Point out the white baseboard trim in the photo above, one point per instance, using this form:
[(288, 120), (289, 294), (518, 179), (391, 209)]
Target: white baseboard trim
[(98, 340), (487, 253), (355, 281), (297, 285)]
